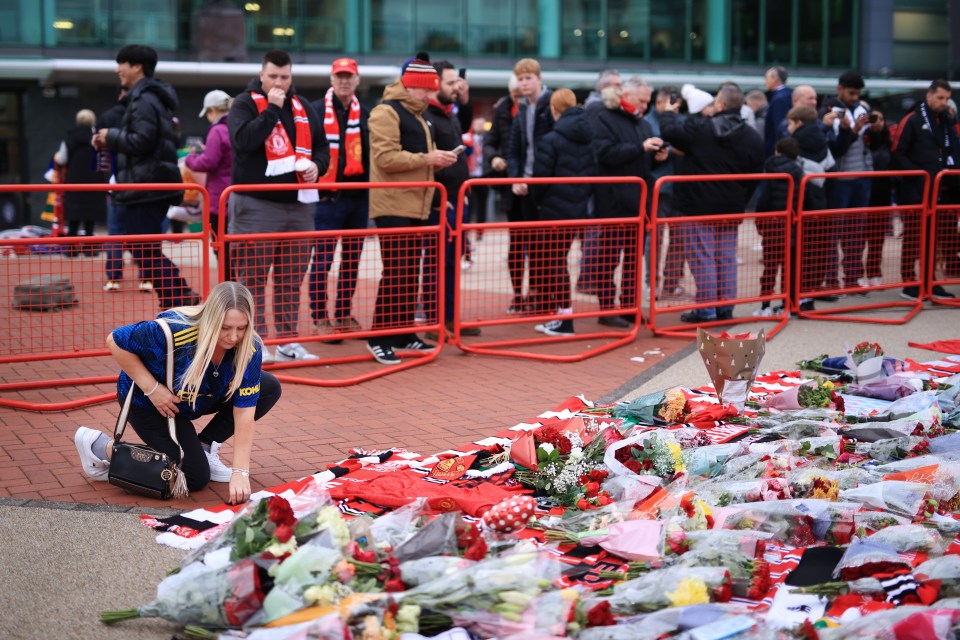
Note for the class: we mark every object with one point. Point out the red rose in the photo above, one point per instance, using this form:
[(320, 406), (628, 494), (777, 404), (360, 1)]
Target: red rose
[(598, 474), (600, 615), (283, 533), (582, 504), (604, 499), (583, 479), (477, 549), (647, 464), (393, 585), (592, 488), (365, 556), (633, 465), (564, 446), (280, 511)]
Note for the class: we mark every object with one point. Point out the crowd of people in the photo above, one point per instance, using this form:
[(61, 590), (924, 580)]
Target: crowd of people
[(425, 129)]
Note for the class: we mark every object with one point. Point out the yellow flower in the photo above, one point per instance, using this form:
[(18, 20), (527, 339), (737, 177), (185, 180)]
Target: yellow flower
[(677, 454), (828, 385), (689, 591)]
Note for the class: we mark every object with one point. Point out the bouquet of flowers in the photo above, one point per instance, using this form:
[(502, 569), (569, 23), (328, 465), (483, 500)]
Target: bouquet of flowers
[(652, 453), (896, 496), (671, 587), (909, 537), (658, 408), (218, 598), (864, 558), (564, 472), (816, 394)]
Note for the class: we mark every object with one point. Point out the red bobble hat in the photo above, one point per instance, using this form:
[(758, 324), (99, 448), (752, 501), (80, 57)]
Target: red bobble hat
[(420, 74)]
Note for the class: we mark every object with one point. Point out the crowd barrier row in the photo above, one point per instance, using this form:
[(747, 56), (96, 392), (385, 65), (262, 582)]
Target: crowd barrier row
[(456, 279)]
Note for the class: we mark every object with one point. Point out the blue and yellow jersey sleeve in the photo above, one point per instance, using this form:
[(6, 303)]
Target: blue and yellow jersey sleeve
[(249, 391)]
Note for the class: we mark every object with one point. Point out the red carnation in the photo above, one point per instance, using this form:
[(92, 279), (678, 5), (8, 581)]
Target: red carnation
[(600, 615), (393, 585)]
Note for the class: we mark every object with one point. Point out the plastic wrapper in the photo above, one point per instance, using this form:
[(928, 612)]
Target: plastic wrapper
[(949, 443), (820, 415), (808, 394), (214, 598), (942, 568), (309, 565), (868, 522), (576, 522), (910, 537), (798, 523), (820, 483), (672, 587), (676, 622), (888, 388), (634, 540), (891, 449), (395, 527), (664, 453), (658, 408), (896, 496), (542, 616), (712, 460), (864, 558), (875, 626), (723, 493), (878, 431)]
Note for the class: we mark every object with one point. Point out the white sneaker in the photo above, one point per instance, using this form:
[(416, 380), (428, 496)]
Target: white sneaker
[(219, 472), (145, 286), (294, 351), (465, 264), (111, 285), (876, 281), (763, 312), (863, 282), (94, 467), (267, 356)]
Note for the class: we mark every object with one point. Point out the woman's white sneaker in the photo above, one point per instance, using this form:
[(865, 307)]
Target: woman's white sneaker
[(294, 351), (94, 467), (219, 472)]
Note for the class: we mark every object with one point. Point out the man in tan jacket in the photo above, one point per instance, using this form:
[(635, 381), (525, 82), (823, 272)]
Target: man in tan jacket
[(402, 150)]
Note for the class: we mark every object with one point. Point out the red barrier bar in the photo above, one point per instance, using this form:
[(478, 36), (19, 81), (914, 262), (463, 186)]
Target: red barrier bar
[(860, 231), (52, 326), (367, 286), (481, 305), (776, 242), (944, 241)]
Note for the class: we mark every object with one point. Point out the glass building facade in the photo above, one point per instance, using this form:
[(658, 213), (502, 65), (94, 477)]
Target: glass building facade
[(799, 33)]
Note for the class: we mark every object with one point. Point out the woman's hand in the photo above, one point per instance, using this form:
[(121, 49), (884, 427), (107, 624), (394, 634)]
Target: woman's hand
[(239, 488), (165, 401)]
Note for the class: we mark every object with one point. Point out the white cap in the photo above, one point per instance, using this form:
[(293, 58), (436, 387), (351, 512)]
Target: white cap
[(696, 99), (216, 98)]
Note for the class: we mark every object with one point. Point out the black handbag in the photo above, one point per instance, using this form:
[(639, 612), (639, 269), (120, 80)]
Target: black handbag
[(138, 468)]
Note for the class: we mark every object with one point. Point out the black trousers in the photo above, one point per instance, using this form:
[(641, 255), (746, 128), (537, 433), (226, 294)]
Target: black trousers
[(152, 429)]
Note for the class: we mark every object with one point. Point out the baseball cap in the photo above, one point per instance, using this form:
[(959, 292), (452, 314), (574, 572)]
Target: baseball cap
[(344, 65), (216, 98)]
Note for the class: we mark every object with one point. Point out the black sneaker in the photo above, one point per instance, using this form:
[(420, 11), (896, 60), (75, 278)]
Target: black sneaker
[(910, 293), (418, 345), (693, 317), (556, 328), (383, 353), (725, 315), (807, 306), (614, 322), (940, 293), (828, 298)]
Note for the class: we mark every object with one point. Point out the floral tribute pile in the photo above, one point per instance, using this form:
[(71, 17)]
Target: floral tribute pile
[(829, 508)]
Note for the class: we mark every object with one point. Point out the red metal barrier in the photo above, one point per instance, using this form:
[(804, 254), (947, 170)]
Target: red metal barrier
[(871, 260), (34, 329), (312, 329), (943, 265), (491, 297), (732, 239)]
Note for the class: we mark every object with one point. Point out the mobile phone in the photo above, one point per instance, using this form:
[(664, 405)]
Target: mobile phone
[(463, 73), (674, 97), (873, 117), (459, 149)]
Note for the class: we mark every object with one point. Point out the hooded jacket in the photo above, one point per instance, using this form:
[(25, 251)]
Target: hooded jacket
[(722, 144), (392, 161), (520, 137), (146, 144), (773, 194), (618, 143), (815, 157), (249, 130), (565, 152), (216, 161)]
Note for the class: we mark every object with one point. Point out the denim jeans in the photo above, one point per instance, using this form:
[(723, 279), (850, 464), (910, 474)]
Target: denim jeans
[(114, 251), (344, 212), (712, 256), (849, 229)]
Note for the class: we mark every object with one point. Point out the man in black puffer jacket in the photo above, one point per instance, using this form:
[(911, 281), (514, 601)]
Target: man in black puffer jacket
[(146, 151), (565, 152), (625, 146), (720, 144)]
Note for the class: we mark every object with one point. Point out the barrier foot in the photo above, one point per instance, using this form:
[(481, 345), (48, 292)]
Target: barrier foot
[(499, 348), (842, 315), (57, 406), (408, 361), (690, 330)]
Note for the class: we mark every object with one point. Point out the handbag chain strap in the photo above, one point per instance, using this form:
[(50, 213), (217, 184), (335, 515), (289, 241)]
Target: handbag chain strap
[(125, 411)]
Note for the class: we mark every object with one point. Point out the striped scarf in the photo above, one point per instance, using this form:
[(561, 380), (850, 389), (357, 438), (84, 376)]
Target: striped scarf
[(282, 156), (352, 142)]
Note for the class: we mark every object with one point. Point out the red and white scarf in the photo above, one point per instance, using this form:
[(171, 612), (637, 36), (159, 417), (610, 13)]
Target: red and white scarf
[(282, 156), (352, 143)]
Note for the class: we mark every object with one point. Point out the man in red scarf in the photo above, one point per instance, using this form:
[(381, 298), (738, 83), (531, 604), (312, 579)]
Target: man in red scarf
[(345, 125), (277, 138)]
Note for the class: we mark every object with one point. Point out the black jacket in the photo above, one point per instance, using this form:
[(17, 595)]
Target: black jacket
[(495, 144), (565, 152), (618, 143), (918, 148), (722, 144), (83, 205), (447, 136), (343, 112), (146, 144), (542, 125), (773, 193), (249, 130)]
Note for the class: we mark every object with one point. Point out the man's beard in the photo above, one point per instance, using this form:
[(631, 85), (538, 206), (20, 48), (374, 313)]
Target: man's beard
[(442, 99)]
